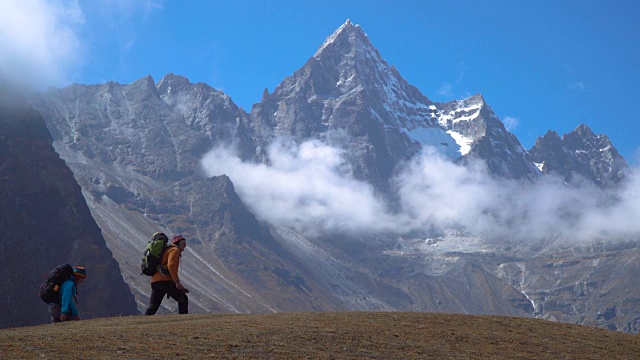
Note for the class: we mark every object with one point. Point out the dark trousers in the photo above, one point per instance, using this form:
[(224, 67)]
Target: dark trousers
[(54, 312), (161, 288)]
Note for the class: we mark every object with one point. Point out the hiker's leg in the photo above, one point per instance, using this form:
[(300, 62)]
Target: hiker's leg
[(157, 293), (183, 304), (54, 312), (180, 297)]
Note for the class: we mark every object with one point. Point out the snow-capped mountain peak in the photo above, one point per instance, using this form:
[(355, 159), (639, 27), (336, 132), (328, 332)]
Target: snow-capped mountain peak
[(136, 150), (362, 70), (461, 110), (348, 87), (348, 32), (580, 153)]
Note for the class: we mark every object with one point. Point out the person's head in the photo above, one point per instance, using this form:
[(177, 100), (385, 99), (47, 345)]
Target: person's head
[(179, 241), (79, 274)]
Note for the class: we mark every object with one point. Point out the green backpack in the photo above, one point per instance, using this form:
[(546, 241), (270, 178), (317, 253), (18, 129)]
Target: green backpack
[(152, 256)]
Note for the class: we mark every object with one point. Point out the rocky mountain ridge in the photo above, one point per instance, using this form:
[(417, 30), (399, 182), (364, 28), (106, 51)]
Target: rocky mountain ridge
[(141, 177), (135, 149), (46, 222), (347, 87), (580, 153)]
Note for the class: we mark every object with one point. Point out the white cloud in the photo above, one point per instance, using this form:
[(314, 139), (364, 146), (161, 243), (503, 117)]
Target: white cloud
[(577, 86), (309, 187), (511, 123), (439, 193), (39, 44), (445, 90)]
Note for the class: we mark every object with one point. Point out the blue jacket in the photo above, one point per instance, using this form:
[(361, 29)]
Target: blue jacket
[(67, 291)]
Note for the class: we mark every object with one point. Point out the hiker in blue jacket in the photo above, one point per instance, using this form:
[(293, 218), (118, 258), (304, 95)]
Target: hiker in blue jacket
[(65, 310)]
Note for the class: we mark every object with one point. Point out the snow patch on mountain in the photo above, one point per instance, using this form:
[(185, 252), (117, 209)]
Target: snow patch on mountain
[(464, 113), (445, 142), (463, 142)]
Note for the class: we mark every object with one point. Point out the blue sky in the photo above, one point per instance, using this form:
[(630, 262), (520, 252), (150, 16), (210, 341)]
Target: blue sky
[(540, 65)]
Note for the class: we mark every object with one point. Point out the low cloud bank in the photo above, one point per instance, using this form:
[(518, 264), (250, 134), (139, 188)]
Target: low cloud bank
[(39, 42), (307, 187), (47, 42), (310, 188), (436, 191)]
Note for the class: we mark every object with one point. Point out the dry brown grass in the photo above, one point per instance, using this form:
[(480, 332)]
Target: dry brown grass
[(352, 335)]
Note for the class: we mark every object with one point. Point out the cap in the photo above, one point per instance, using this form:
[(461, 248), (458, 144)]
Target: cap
[(79, 271), (177, 239)]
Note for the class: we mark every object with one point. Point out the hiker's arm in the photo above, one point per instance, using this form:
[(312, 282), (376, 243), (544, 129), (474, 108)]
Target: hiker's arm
[(72, 305), (66, 297)]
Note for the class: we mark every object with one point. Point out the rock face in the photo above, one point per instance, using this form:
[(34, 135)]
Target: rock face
[(347, 87), (46, 222), (135, 151), (591, 284), (580, 153)]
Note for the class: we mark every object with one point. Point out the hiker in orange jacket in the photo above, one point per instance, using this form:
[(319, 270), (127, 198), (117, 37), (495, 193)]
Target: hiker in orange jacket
[(166, 281)]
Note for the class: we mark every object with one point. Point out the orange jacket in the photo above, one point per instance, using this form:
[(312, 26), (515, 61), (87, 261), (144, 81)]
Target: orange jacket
[(171, 261)]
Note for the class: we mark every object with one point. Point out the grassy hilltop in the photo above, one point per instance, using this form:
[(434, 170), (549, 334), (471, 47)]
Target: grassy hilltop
[(349, 335)]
